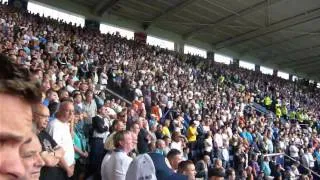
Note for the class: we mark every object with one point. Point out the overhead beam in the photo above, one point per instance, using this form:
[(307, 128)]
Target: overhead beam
[(284, 24), (288, 53), (171, 11), (313, 72), (314, 65), (301, 62), (104, 6), (248, 51), (228, 19)]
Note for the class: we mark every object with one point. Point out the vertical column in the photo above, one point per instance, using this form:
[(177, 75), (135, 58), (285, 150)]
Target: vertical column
[(140, 37), (179, 46), (275, 72), (92, 25), (257, 68), (210, 55), (236, 62), (290, 77), (20, 4)]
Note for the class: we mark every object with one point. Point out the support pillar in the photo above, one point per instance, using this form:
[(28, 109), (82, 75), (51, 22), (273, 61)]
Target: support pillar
[(257, 68), (92, 25), (290, 77), (179, 47), (275, 72), (210, 55), (19, 4), (236, 62)]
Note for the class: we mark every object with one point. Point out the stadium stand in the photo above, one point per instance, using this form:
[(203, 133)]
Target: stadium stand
[(195, 118)]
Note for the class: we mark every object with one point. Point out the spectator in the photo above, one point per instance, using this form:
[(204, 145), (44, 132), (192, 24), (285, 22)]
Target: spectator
[(265, 167), (239, 160), (158, 132), (249, 173), (17, 94), (116, 126), (278, 175), (174, 158), (187, 168), (308, 160), (255, 165), (160, 146), (230, 174), (59, 129), (143, 137), (192, 138), (165, 128), (216, 174), (115, 166), (51, 153), (208, 143), (135, 172), (90, 106), (80, 147), (32, 159), (100, 127), (202, 167), (177, 142)]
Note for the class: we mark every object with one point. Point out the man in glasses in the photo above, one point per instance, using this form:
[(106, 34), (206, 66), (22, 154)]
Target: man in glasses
[(52, 153)]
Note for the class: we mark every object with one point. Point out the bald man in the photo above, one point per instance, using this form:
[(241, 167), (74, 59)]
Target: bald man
[(59, 129), (51, 153)]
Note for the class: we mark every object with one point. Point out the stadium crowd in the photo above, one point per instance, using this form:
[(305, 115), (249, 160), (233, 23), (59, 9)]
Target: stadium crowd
[(187, 117)]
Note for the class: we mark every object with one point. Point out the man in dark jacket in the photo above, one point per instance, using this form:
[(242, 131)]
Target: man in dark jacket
[(143, 138), (100, 127)]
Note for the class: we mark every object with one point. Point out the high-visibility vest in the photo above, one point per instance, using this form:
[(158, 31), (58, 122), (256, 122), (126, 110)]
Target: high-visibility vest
[(267, 101), (284, 110), (299, 116), (221, 79), (292, 115), (278, 112), (304, 116)]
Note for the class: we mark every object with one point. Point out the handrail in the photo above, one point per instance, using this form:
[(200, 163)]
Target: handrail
[(165, 114), (117, 95), (302, 165), (277, 154)]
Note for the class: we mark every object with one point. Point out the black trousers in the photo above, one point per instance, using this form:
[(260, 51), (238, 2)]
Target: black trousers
[(96, 156), (53, 173)]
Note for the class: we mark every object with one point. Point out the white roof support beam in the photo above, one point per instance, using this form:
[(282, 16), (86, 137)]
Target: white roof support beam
[(104, 6), (230, 18), (172, 11), (298, 19)]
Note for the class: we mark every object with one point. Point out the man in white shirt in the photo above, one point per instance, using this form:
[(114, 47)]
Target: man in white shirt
[(218, 140), (115, 166), (294, 151), (90, 106), (59, 129), (308, 159)]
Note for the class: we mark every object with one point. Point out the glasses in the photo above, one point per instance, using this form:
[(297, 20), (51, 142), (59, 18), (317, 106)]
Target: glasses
[(69, 111), (41, 115)]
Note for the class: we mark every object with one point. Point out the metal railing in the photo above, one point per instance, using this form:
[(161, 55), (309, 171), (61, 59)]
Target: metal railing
[(117, 95), (292, 159)]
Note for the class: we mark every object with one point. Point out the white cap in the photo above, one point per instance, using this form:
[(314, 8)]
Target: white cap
[(141, 167)]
